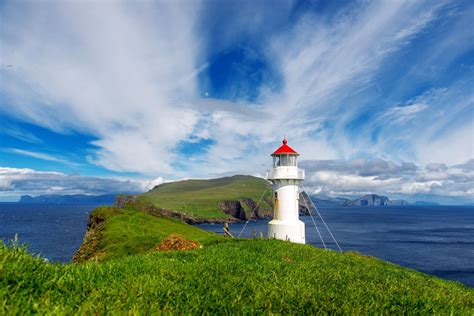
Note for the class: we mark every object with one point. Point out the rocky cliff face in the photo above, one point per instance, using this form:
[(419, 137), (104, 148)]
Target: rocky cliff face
[(304, 204), (122, 200), (374, 200), (233, 208), (243, 209), (88, 248)]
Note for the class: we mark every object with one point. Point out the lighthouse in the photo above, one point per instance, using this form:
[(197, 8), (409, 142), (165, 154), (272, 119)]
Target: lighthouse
[(285, 177)]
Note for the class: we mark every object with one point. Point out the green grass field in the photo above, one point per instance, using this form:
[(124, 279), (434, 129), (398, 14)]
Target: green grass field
[(255, 276), (200, 198), (224, 276)]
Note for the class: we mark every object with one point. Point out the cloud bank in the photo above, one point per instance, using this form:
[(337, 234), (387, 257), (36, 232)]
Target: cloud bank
[(15, 182), (335, 178)]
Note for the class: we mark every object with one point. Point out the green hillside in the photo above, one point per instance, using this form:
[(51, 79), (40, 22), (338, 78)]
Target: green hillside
[(246, 276), (121, 232), (222, 276), (200, 198)]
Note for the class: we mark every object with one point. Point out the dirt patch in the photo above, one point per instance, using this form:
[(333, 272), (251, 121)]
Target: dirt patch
[(177, 242)]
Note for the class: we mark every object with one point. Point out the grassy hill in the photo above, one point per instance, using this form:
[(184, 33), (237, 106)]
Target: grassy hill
[(201, 198), (114, 232), (124, 274)]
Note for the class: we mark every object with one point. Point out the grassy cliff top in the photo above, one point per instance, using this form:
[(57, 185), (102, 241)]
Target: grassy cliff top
[(200, 198), (120, 232), (224, 276)]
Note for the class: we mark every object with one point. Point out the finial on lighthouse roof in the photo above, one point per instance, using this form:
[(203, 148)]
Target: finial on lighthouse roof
[(284, 139)]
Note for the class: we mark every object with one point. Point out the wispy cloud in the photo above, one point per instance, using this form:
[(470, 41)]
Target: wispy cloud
[(20, 134), (401, 114), (38, 155)]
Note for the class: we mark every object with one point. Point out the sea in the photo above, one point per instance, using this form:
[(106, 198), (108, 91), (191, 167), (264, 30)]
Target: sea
[(437, 240)]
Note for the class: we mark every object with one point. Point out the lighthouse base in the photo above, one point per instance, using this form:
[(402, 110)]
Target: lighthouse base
[(291, 231)]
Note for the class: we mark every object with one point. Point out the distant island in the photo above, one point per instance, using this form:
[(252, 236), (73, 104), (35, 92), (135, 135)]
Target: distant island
[(366, 200), (67, 199), (374, 200)]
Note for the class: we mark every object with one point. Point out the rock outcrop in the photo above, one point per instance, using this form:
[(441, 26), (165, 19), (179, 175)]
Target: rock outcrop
[(374, 200), (243, 209), (233, 208), (122, 200), (304, 204), (88, 248)]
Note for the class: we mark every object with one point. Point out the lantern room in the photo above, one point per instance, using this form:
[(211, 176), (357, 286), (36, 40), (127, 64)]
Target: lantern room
[(285, 156)]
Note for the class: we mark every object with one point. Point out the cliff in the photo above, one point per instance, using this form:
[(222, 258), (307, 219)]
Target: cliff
[(374, 200)]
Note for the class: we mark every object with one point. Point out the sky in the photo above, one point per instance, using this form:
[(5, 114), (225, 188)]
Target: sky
[(119, 96)]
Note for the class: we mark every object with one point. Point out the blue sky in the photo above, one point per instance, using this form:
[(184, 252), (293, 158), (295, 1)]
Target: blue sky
[(376, 96)]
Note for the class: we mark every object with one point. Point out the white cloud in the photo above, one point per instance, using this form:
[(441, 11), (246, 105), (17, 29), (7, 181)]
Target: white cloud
[(148, 185), (455, 146), (401, 114), (40, 155), (358, 177), (19, 181)]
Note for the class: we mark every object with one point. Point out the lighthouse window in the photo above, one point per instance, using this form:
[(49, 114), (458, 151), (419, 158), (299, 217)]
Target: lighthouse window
[(284, 160), (276, 161), (292, 160)]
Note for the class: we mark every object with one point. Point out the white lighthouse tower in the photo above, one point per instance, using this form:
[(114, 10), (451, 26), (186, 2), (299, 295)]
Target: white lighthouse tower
[(286, 177)]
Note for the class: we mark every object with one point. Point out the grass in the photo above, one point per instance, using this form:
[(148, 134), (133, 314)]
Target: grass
[(239, 276), (130, 231), (200, 198), (224, 276)]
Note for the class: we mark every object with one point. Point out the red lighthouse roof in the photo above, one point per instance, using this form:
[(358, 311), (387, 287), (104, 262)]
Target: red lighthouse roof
[(285, 149)]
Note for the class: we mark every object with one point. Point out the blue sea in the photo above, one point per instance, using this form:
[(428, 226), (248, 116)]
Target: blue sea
[(53, 231), (438, 240)]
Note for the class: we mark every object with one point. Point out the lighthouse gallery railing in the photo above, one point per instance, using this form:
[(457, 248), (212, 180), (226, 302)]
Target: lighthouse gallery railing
[(285, 173)]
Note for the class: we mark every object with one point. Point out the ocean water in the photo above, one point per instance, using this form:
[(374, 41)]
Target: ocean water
[(438, 240), (53, 231)]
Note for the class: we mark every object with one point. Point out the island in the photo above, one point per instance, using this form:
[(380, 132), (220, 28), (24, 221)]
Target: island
[(68, 199), (374, 200)]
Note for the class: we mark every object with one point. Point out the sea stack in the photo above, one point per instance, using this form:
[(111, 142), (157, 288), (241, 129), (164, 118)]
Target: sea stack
[(286, 177)]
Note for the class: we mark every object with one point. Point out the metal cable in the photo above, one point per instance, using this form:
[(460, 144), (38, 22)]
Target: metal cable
[(322, 219), (253, 212), (314, 222)]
